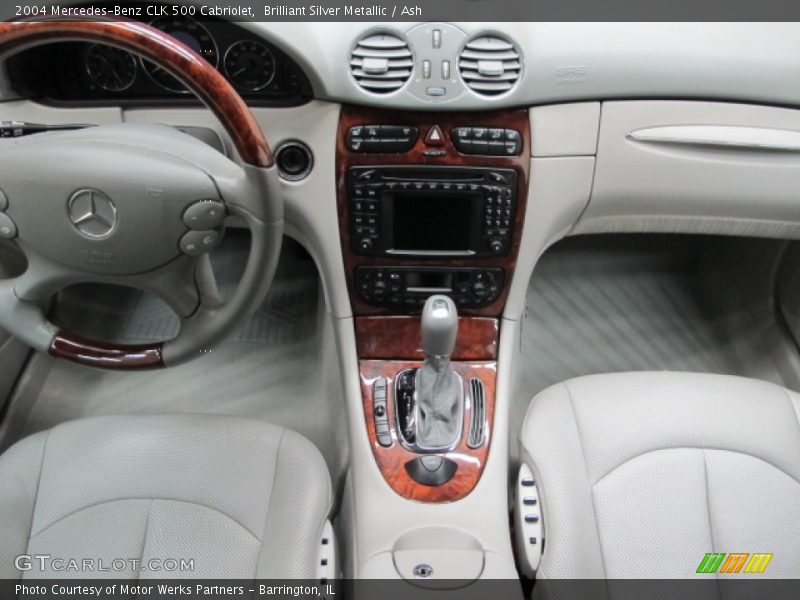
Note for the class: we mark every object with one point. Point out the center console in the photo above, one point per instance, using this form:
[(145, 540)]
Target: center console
[(430, 204)]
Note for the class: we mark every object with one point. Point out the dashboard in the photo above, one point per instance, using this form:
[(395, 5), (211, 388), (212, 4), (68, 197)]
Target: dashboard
[(96, 74), (540, 63)]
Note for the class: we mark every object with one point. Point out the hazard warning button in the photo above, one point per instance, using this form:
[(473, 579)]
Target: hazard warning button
[(434, 137)]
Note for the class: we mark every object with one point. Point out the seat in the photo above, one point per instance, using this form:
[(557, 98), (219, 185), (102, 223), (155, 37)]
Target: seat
[(641, 474), (241, 498)]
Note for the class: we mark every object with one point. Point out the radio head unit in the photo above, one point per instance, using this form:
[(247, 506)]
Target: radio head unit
[(431, 211)]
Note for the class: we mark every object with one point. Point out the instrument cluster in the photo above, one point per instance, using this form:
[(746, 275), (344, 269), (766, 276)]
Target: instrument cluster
[(98, 74)]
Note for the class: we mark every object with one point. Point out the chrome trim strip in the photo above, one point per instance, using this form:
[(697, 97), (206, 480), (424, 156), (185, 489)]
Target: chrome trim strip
[(731, 137)]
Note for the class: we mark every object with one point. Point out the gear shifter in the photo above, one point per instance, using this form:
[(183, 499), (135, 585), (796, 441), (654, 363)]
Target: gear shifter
[(438, 387)]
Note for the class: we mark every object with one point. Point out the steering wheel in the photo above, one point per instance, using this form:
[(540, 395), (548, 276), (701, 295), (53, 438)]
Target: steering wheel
[(136, 205)]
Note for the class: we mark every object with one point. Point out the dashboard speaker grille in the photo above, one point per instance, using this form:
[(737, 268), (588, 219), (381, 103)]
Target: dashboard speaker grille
[(490, 65), (381, 63)]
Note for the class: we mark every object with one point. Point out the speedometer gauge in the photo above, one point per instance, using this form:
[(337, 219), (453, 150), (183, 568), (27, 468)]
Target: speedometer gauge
[(191, 33), (110, 68), (249, 65)]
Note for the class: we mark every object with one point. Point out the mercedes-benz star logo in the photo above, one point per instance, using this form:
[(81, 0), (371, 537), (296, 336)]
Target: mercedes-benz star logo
[(92, 213)]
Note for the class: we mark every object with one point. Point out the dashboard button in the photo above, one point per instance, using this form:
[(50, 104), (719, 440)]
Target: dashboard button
[(396, 145), (480, 147), (462, 133), (396, 131), (436, 91), (497, 148), (436, 39), (480, 133), (434, 137), (496, 134)]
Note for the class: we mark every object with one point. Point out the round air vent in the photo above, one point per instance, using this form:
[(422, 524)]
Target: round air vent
[(381, 63), (489, 65)]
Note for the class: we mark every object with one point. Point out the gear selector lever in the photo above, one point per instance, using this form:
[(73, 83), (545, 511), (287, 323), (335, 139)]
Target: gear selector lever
[(431, 414)]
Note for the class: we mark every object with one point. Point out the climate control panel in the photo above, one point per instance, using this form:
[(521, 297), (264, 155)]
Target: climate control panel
[(409, 287)]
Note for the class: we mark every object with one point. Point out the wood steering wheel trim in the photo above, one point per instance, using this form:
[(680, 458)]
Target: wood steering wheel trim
[(201, 78), (74, 347)]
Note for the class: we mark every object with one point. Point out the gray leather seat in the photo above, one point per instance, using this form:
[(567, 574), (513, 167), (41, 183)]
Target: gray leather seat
[(242, 498), (641, 474)]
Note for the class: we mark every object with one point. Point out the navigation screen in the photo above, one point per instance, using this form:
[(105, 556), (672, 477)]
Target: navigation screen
[(430, 223)]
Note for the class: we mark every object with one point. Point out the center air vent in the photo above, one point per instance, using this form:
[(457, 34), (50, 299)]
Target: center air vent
[(381, 63), (489, 65)]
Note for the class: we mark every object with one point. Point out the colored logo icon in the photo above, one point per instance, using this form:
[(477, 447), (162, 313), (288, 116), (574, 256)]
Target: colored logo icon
[(734, 562)]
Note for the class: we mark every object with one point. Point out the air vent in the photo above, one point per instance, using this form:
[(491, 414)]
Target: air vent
[(477, 428), (381, 63), (489, 65)]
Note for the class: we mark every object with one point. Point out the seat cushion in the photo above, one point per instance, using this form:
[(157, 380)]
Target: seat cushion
[(641, 474), (242, 498)]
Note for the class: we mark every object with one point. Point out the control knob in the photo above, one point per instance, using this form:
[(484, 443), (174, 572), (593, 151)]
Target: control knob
[(379, 288), (480, 289), (496, 246), (365, 244)]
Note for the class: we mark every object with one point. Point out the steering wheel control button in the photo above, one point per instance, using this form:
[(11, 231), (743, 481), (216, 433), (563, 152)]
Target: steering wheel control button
[(3, 201), (195, 243), (8, 230), (204, 215), (92, 213)]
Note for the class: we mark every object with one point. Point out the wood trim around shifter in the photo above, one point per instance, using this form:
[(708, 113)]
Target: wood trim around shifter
[(399, 338), (392, 460)]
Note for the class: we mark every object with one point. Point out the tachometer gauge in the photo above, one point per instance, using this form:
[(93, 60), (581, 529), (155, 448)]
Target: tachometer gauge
[(110, 68), (191, 33), (249, 65)]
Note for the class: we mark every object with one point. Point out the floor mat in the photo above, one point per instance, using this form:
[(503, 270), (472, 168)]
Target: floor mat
[(608, 304), (279, 366)]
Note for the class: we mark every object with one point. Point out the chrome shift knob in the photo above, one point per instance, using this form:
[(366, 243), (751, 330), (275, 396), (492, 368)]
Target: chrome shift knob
[(439, 326)]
